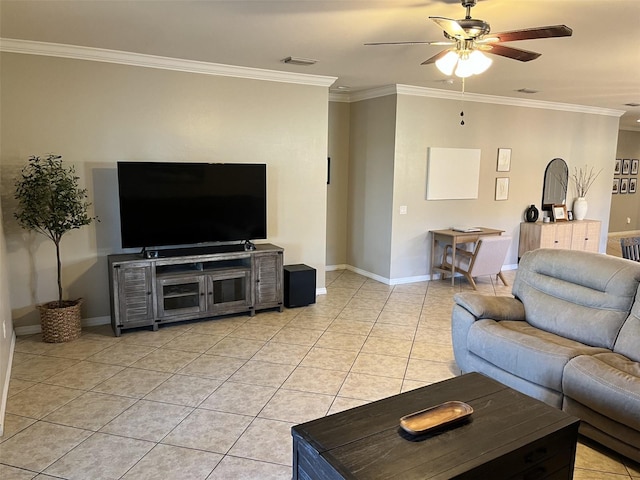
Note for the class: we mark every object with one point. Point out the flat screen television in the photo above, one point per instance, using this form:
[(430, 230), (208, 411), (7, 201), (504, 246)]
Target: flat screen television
[(164, 203)]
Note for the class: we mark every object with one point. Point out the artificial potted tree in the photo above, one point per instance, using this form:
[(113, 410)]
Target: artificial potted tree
[(51, 202)]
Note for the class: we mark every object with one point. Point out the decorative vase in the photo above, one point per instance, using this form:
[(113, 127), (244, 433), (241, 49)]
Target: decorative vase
[(531, 214), (580, 206), (61, 324)]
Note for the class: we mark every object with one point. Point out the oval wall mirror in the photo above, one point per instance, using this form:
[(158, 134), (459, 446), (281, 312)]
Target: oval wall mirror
[(556, 177)]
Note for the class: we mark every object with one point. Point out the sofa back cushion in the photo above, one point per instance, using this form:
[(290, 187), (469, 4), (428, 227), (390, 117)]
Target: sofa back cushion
[(579, 295), (628, 341)]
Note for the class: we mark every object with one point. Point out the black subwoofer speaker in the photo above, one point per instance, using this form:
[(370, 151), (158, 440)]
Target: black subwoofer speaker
[(299, 285)]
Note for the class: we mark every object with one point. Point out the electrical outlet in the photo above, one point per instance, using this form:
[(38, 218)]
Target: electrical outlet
[(403, 210), (4, 329), (628, 220)]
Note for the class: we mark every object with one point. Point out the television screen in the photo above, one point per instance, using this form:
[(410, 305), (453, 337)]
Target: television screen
[(164, 203)]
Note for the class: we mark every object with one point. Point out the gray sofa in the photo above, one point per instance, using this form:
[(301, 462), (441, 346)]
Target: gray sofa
[(570, 337)]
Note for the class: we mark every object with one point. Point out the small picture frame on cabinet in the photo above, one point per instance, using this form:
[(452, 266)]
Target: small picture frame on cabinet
[(559, 213)]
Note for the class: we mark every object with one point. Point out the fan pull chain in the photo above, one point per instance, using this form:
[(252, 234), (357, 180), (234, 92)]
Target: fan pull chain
[(462, 104)]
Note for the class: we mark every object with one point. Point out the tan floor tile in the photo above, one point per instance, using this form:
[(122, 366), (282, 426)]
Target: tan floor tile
[(359, 315), (350, 326), (417, 288), (323, 310), (370, 284), (166, 360), (441, 336), (297, 336), (100, 457), (432, 351), (374, 295), (196, 431), (402, 307), (388, 330), (282, 353), (124, 354), (236, 347), (16, 386), (341, 341), (167, 462), (369, 387), (406, 297), (412, 385), (78, 349), (147, 420), (266, 440), (194, 342), (255, 332), (90, 411), (315, 380), (582, 474), (184, 390), (132, 382), (12, 473), (221, 327), (14, 424), (84, 375), (366, 303), (430, 371), (150, 338), (295, 406), (311, 322), (590, 456), (40, 400), (246, 469), (399, 318), (380, 365), (263, 373), (40, 368), (239, 398), (39, 445), (341, 404), (213, 366), (387, 346), (330, 359)]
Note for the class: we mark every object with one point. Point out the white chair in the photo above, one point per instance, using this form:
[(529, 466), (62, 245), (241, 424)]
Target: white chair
[(487, 258)]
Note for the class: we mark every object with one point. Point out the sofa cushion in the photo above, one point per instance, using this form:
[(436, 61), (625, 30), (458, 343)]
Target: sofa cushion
[(525, 351), (579, 295), (628, 341), (608, 383)]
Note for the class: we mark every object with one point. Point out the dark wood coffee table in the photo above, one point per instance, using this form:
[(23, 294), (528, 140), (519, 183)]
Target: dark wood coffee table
[(509, 435)]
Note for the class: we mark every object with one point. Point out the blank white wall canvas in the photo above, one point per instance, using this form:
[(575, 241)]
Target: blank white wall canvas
[(453, 173)]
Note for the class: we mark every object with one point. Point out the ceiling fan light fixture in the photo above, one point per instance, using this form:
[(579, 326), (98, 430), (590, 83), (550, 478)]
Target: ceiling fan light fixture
[(447, 63), (479, 61)]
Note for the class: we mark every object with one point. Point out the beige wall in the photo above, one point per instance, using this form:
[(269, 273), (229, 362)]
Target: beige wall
[(625, 206), (371, 157), (381, 180), (337, 189), (96, 114)]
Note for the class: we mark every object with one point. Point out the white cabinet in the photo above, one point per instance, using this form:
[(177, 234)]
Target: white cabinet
[(575, 235)]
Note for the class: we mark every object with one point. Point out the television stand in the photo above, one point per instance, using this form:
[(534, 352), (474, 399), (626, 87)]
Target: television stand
[(197, 282)]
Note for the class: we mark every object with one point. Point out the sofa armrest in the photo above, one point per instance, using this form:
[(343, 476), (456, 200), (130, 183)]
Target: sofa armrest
[(488, 306)]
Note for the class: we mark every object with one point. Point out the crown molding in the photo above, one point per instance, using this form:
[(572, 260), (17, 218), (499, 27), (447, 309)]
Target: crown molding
[(400, 89), (30, 47)]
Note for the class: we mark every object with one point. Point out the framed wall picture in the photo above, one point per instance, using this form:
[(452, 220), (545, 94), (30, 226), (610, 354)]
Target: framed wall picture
[(618, 168), (633, 182), (634, 166), (616, 186), (504, 160), (502, 188), (624, 185), (559, 213), (626, 166)]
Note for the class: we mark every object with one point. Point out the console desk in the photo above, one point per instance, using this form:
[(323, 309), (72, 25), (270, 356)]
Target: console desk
[(454, 237)]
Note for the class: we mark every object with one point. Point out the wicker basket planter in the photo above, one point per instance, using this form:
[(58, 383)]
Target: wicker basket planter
[(60, 324)]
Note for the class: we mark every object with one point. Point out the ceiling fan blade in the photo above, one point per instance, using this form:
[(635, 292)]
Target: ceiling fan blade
[(450, 26), (532, 33), (411, 43), (509, 52), (437, 56)]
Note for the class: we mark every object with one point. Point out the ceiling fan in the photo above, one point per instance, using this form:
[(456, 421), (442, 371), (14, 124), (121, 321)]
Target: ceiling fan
[(469, 37)]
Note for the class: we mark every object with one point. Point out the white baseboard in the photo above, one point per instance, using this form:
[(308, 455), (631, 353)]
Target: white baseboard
[(86, 322), (5, 389)]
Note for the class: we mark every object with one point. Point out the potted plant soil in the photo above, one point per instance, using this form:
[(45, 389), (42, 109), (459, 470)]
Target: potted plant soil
[(51, 202)]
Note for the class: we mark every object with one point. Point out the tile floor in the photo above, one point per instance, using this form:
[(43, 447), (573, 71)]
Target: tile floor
[(216, 399)]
